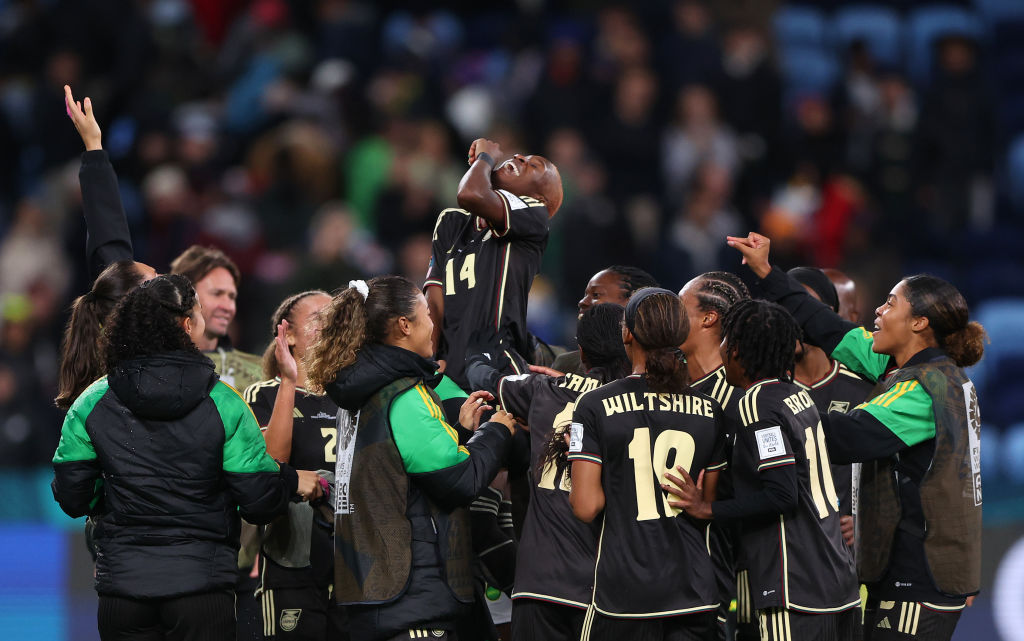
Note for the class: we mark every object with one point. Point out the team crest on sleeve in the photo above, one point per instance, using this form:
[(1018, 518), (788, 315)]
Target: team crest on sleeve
[(839, 406), (769, 442), (575, 437)]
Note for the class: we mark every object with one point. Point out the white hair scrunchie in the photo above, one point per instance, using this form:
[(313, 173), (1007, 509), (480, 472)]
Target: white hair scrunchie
[(361, 287)]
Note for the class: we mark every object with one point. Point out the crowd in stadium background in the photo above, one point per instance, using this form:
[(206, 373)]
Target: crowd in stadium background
[(316, 141)]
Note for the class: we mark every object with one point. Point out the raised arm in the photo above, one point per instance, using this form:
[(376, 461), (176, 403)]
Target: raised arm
[(108, 239), (476, 194)]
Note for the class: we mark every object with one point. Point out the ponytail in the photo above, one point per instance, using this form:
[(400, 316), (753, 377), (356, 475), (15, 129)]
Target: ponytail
[(363, 313), (342, 333), (666, 370), (658, 322), (966, 345), (81, 360)]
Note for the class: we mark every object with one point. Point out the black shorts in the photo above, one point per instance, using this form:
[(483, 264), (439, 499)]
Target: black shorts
[(902, 620), (301, 613), (779, 624), (208, 616), (533, 620), (687, 627)]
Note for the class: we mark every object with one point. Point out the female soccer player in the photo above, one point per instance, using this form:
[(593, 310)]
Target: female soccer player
[(403, 552), (553, 590), (919, 550), (623, 437), (166, 458), (295, 574), (799, 572), (707, 299)]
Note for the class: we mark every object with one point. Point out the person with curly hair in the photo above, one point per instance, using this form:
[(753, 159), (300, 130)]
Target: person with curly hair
[(403, 555), (623, 437), (919, 518), (165, 458)]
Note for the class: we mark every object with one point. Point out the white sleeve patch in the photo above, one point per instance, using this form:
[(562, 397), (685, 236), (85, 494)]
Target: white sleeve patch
[(576, 437), (514, 202), (769, 442)]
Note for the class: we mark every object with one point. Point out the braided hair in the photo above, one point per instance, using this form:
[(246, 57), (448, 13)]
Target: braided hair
[(633, 278), (763, 336), (719, 291)]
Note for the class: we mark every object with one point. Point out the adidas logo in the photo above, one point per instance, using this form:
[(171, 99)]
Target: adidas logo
[(884, 624)]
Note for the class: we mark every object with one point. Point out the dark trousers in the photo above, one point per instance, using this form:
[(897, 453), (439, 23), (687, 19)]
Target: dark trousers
[(534, 620), (906, 620), (209, 616), (687, 627)]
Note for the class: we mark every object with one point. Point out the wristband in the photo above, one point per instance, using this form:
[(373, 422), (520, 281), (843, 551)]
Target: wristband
[(486, 157)]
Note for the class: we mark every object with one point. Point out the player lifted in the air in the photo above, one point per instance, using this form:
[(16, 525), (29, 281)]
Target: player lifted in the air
[(487, 252)]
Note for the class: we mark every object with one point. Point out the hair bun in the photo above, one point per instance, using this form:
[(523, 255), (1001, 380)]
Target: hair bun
[(966, 345)]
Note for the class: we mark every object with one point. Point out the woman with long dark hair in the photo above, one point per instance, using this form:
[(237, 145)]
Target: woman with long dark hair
[(166, 457), (403, 554), (624, 436), (919, 543)]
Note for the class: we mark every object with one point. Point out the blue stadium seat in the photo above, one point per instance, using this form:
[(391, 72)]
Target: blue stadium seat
[(808, 69), (999, 10), (800, 27), (879, 27), (1003, 319), (926, 25), (1011, 452)]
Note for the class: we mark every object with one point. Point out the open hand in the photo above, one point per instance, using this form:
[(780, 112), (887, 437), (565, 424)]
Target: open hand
[(547, 371), (755, 251), (283, 354), (473, 408), (84, 120), (690, 495)]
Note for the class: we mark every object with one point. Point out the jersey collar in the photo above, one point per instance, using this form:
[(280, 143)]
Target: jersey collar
[(824, 380)]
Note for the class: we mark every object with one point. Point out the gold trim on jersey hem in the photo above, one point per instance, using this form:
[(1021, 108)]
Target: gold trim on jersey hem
[(549, 598), (654, 615), (943, 608)]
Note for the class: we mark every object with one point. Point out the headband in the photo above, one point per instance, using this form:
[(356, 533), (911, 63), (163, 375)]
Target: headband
[(637, 298), (361, 287)]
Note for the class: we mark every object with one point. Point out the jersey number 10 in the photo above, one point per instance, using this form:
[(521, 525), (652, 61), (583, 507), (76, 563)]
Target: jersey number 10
[(671, 448), (467, 273)]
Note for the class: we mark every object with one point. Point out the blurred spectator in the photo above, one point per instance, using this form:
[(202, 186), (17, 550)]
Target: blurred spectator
[(693, 243), (690, 52), (955, 145), (858, 106), (31, 252), (892, 154), (338, 252), (695, 137), (629, 137)]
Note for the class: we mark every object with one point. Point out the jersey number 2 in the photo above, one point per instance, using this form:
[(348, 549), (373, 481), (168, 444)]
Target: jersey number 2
[(330, 453), (671, 448), (467, 273), (820, 471)]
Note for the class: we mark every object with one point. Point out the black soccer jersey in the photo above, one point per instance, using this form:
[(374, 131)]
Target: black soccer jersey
[(486, 274), (556, 551), (651, 561), (722, 539), (795, 560), (313, 448), (840, 390)]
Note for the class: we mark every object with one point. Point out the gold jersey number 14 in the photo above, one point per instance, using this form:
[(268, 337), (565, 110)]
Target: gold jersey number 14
[(467, 273)]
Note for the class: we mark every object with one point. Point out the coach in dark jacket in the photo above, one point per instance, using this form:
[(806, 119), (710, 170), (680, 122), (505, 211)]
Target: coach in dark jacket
[(165, 457)]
